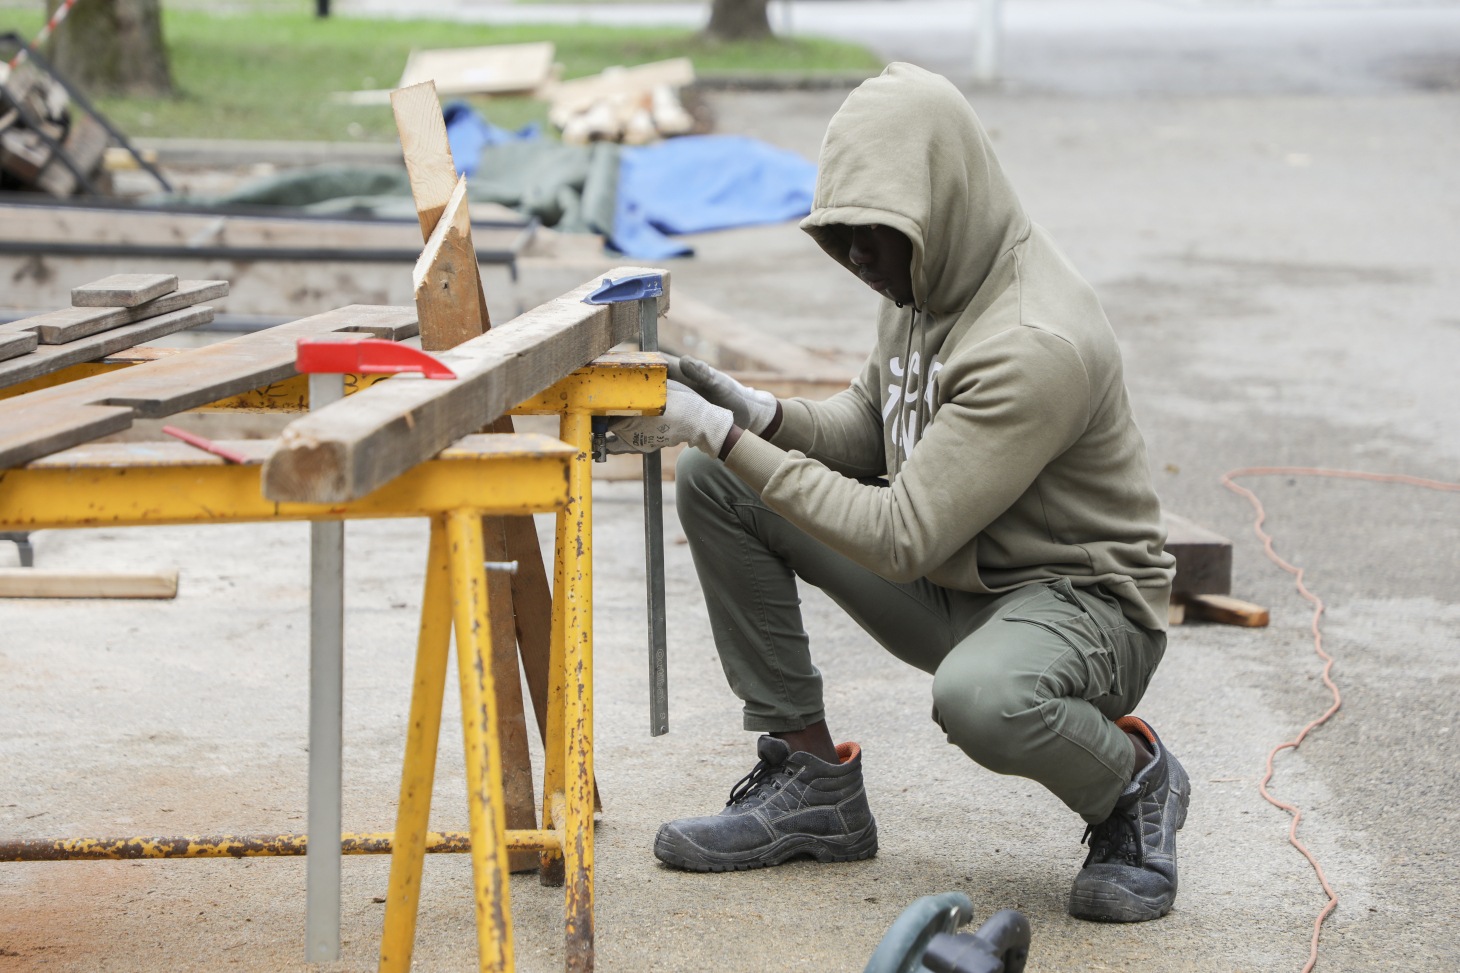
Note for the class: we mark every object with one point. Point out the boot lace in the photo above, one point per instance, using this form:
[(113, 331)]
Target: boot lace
[(1117, 837), (751, 784)]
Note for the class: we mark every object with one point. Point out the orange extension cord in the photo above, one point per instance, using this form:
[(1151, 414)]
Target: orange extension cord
[(1266, 539)]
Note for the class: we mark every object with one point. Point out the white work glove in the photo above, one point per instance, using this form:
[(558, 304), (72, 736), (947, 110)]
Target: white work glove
[(687, 419), (752, 408)]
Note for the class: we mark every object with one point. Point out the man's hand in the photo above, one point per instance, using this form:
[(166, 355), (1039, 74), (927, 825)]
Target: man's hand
[(687, 419), (752, 408)]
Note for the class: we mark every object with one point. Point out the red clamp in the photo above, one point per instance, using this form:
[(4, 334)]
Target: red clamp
[(370, 356)]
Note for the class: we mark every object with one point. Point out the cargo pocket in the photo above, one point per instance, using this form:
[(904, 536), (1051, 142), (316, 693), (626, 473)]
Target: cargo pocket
[(1061, 614)]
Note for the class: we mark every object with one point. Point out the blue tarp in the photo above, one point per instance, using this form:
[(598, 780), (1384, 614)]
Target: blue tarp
[(704, 182), (469, 133)]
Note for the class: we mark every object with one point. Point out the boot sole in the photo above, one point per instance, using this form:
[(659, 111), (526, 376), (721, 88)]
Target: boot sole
[(682, 853), (1111, 903)]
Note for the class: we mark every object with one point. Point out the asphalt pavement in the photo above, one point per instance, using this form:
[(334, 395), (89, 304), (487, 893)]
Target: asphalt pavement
[(1281, 271)]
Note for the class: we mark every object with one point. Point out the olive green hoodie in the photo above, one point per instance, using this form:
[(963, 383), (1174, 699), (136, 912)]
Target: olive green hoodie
[(995, 405)]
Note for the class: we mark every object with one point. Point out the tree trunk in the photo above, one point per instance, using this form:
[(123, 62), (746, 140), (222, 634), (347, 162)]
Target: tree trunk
[(113, 47), (734, 20)]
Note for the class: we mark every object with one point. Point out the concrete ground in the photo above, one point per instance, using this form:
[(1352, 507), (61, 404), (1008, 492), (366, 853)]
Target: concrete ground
[(1281, 273)]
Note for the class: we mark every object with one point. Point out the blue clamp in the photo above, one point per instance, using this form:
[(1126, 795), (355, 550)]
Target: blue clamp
[(627, 289)]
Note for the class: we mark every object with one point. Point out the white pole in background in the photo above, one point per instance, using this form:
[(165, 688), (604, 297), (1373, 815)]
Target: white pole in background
[(986, 44)]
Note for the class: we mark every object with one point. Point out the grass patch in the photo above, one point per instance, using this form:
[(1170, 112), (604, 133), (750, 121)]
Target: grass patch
[(267, 70)]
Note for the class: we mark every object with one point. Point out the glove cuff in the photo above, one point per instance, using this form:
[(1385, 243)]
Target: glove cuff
[(712, 429), (761, 409)]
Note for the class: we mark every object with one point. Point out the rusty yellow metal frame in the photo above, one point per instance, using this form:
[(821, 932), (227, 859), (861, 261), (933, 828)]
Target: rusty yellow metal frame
[(138, 484), (248, 846)]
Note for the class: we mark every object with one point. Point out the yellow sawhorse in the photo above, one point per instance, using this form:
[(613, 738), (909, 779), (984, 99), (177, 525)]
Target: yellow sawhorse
[(140, 484)]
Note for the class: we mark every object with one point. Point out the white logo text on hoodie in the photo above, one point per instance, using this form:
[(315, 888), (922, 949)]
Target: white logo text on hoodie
[(902, 407)]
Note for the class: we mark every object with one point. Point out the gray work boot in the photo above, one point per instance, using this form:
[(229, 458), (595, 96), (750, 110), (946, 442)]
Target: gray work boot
[(1130, 873), (790, 804)]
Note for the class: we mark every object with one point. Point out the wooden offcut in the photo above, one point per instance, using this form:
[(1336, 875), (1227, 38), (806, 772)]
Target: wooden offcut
[(73, 323), (1229, 611), (716, 338), (422, 130), (123, 290), (50, 419), (347, 449), (57, 583), (446, 279)]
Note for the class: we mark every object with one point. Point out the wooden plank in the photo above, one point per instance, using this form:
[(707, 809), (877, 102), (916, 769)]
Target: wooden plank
[(49, 358), (1203, 559), (61, 416), (56, 583), (422, 130), (73, 323), (498, 69), (446, 280), (452, 308), (347, 449), (123, 290), (15, 345), (1229, 611)]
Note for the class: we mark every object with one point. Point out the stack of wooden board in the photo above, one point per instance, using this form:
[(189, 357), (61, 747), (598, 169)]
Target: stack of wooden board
[(46, 420), (106, 316)]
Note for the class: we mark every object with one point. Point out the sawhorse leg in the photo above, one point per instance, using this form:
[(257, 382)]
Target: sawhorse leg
[(575, 573), (413, 815)]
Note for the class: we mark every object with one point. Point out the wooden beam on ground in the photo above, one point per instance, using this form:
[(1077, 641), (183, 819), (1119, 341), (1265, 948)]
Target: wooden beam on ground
[(57, 583), (1203, 559), (123, 290), (73, 323), (61, 416), (1228, 611), (347, 449)]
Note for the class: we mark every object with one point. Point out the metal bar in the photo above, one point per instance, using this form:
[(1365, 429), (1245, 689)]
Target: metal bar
[(418, 772), (577, 825), (326, 713), (654, 550), (90, 109), (182, 252), (486, 802), (247, 846)]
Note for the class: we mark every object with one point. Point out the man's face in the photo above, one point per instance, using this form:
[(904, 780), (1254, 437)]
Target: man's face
[(883, 258)]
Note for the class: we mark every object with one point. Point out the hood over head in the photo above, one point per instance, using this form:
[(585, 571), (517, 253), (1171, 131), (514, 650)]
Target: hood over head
[(906, 151)]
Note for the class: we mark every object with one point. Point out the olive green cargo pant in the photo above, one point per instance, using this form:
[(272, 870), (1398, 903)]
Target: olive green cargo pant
[(1028, 682)]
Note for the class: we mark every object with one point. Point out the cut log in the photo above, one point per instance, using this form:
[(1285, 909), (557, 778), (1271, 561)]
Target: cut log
[(73, 323), (55, 583), (48, 358), (1203, 559), (446, 280), (123, 290), (353, 446), (15, 345), (50, 419)]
